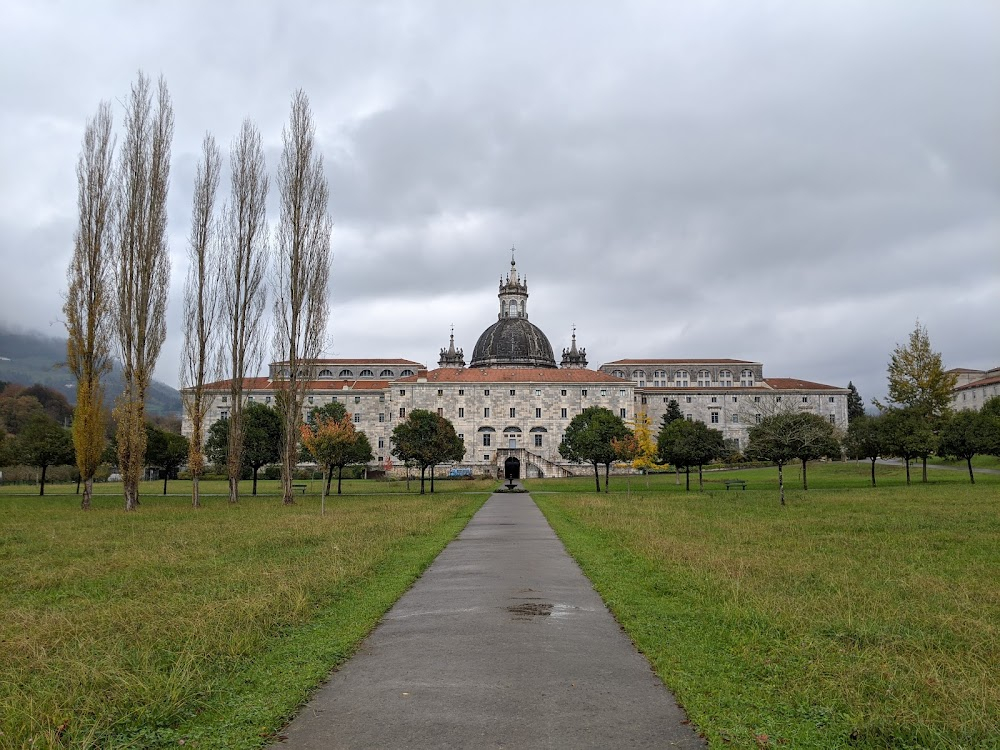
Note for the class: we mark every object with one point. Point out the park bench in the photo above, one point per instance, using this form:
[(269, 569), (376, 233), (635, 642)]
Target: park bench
[(300, 487), (735, 483)]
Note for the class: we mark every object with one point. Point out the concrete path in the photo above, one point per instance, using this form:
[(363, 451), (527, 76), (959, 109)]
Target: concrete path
[(501, 643)]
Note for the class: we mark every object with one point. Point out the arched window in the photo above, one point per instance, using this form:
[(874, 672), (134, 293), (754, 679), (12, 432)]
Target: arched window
[(746, 378), (660, 378), (704, 378), (618, 373), (346, 374), (326, 373), (367, 374), (681, 378), (725, 378), (405, 373), (386, 374), (639, 376)]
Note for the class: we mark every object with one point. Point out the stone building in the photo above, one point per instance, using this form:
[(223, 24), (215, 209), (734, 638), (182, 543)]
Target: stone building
[(512, 403), (973, 387)]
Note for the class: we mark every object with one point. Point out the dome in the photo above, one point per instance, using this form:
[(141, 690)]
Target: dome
[(513, 342)]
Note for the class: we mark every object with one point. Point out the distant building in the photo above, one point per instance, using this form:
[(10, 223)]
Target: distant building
[(512, 403), (974, 387)]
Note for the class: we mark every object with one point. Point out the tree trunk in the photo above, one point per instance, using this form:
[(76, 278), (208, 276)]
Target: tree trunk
[(924, 474), (432, 479), (607, 470), (253, 492), (340, 475), (687, 478), (322, 497), (165, 475), (78, 480), (873, 472), (805, 478), (422, 470), (88, 493), (781, 483), (195, 495), (407, 478), (700, 482), (972, 477), (41, 486), (677, 475), (234, 488), (329, 478), (597, 477), (907, 471)]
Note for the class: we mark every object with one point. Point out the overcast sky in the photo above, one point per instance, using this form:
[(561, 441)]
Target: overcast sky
[(788, 182)]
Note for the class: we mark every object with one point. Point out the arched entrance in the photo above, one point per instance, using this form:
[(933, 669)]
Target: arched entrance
[(512, 468)]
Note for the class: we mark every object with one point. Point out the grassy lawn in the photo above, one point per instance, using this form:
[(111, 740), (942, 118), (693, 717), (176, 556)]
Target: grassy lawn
[(208, 627), (853, 618)]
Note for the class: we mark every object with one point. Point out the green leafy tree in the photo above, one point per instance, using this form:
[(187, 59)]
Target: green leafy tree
[(261, 440), (855, 404), (672, 414), (865, 439), (968, 434), (917, 378), (815, 438), (774, 440), (426, 439), (908, 435), (165, 450), (686, 444), (991, 410), (43, 443), (588, 439)]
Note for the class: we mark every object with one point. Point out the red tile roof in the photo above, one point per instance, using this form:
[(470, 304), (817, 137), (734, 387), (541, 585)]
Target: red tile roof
[(266, 384), (794, 384), (679, 362), (978, 383), (514, 375), (355, 361)]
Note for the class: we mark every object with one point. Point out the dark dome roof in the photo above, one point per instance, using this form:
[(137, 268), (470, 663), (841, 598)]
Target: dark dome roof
[(513, 342)]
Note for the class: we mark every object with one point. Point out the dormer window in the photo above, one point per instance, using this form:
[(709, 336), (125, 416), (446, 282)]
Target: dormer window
[(367, 374), (346, 374), (618, 373), (405, 373), (386, 374), (326, 373)]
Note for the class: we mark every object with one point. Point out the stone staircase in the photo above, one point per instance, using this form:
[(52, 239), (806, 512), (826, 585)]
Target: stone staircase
[(545, 467)]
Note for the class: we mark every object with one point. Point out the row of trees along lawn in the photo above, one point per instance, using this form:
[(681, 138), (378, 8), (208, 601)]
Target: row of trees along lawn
[(41, 442), (118, 280)]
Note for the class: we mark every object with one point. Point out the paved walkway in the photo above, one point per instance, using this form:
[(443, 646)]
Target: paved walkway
[(501, 643)]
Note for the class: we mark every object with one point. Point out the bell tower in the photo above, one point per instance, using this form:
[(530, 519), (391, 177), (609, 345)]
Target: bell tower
[(513, 293)]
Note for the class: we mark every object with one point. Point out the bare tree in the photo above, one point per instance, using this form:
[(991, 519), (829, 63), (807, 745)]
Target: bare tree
[(199, 358), (303, 244), (141, 270), (87, 306), (245, 253)]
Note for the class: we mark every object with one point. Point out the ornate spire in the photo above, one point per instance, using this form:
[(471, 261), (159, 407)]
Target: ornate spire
[(513, 293), (573, 359), (452, 357)]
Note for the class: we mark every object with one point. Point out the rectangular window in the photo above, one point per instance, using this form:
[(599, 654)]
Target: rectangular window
[(538, 440), (486, 456), (831, 399), (513, 412), (643, 399), (486, 440), (461, 411), (715, 399), (734, 399), (486, 392), (357, 399), (513, 392), (402, 391), (688, 417), (461, 437), (267, 399), (604, 391), (440, 412), (805, 399), (563, 413), (563, 392), (440, 391), (621, 413), (461, 391), (833, 419), (380, 459), (736, 419), (381, 416), (250, 399), (223, 415), (583, 392), (381, 442), (225, 399), (357, 418), (756, 399), (757, 418), (665, 400), (687, 399), (310, 399), (381, 398), (777, 398), (715, 417), (621, 392), (486, 411), (402, 412), (538, 413), (538, 391)]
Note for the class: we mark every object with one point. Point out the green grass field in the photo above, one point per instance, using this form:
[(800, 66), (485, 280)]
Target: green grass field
[(205, 626), (852, 618)]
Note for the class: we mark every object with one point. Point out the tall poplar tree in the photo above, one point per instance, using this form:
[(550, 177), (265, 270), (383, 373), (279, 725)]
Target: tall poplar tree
[(87, 307), (141, 268), (303, 258), (199, 358)]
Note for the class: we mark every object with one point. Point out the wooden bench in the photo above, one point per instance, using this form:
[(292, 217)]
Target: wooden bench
[(300, 487), (735, 483)]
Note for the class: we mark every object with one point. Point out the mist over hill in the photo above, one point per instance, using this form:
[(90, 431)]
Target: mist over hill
[(29, 358)]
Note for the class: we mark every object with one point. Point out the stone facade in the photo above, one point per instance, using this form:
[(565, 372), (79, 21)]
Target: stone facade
[(513, 401), (973, 387)]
